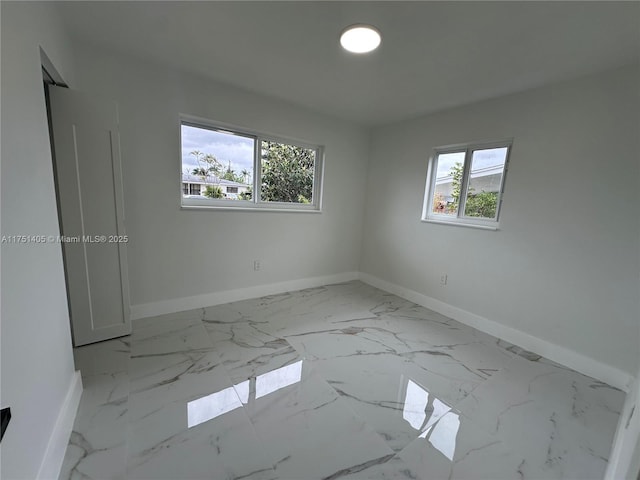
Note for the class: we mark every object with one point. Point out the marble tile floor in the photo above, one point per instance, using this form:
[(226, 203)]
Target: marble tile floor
[(338, 382)]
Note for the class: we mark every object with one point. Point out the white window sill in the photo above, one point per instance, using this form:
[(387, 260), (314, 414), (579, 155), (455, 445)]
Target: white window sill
[(250, 209), (462, 223)]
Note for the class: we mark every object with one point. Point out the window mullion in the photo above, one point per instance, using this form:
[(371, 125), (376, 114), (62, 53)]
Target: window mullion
[(317, 173), (502, 180), (257, 169), (431, 185), (464, 183)]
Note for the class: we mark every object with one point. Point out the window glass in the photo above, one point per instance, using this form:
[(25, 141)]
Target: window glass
[(287, 173), (220, 160), (485, 182), (446, 196)]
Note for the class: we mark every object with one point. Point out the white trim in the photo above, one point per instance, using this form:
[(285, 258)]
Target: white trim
[(51, 69), (234, 205), (208, 299), (460, 223), (562, 355), (59, 439)]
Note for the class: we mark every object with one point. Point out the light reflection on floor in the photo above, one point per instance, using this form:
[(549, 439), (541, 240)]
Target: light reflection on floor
[(439, 427), (218, 403), (206, 408)]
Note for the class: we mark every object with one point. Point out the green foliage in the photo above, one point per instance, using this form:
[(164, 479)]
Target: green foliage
[(456, 172), (200, 172), (287, 173), (212, 191), (246, 195), (230, 175), (209, 165), (482, 205)]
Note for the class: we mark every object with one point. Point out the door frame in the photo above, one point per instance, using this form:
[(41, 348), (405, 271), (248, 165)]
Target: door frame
[(51, 76)]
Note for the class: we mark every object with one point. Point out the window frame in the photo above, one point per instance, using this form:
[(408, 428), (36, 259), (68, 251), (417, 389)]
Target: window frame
[(460, 218), (255, 204)]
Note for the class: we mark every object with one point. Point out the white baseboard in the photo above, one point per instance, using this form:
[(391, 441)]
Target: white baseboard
[(57, 446), (209, 299), (562, 355)]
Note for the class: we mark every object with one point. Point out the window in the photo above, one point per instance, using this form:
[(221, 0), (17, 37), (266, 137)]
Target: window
[(190, 189), (242, 169), (465, 184)]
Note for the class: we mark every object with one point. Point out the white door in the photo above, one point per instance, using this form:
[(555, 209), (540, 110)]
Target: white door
[(90, 201)]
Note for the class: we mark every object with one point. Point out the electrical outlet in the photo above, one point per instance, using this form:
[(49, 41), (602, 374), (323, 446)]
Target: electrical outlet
[(256, 265), (443, 279)]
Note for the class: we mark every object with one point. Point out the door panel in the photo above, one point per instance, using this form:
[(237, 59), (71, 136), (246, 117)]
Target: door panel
[(89, 188)]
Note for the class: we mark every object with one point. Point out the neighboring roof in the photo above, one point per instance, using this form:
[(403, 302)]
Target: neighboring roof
[(210, 180), (481, 172)]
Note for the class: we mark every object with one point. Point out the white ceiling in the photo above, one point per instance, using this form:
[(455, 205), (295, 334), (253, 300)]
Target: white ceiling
[(433, 55)]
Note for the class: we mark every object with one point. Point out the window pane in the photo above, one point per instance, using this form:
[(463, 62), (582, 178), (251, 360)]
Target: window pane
[(287, 173), (219, 164), (485, 179), (446, 195)]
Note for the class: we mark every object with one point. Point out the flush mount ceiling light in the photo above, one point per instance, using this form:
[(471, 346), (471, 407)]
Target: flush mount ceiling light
[(360, 38)]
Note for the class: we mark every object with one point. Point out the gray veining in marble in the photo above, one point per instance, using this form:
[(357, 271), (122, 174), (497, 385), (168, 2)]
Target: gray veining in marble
[(336, 382)]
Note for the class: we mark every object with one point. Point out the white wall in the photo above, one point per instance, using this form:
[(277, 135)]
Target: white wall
[(176, 253), (564, 265), (37, 364)]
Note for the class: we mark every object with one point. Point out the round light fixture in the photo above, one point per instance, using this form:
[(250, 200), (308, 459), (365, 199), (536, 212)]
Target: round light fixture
[(360, 38)]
